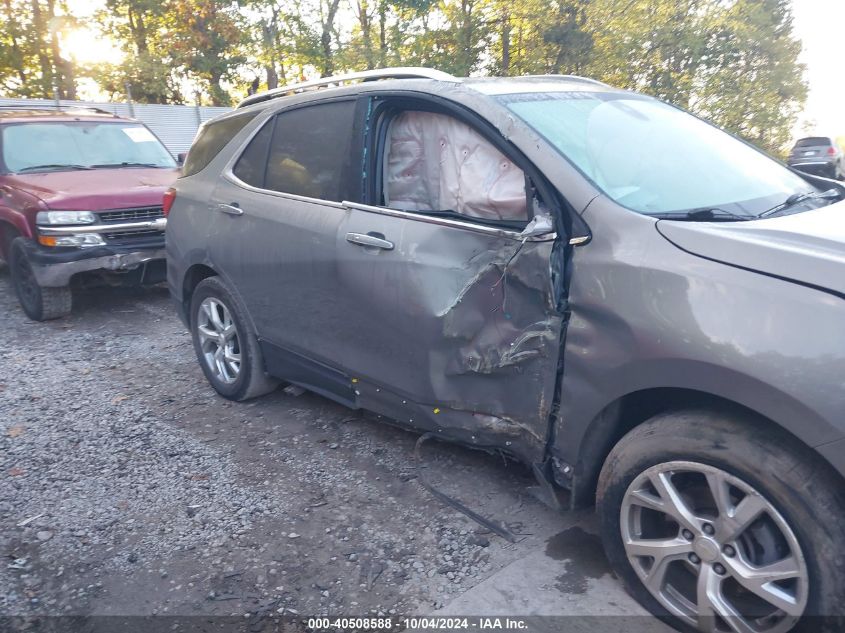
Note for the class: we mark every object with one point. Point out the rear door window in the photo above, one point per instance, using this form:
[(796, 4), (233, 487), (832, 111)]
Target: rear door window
[(213, 138), (310, 151)]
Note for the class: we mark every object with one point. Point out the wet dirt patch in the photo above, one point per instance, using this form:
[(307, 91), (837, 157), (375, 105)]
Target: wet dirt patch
[(583, 557)]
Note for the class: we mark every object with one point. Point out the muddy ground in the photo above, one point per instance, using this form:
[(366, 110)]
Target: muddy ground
[(128, 487)]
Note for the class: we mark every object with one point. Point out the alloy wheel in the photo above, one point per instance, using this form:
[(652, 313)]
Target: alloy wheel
[(219, 341), (712, 550)]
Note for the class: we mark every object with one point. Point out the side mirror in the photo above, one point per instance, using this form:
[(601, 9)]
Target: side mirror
[(180, 157)]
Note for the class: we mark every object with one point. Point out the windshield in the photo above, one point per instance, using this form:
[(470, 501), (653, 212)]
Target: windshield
[(654, 158), (53, 146)]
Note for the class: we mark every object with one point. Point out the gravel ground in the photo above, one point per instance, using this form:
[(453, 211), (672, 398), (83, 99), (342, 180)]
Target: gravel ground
[(128, 487)]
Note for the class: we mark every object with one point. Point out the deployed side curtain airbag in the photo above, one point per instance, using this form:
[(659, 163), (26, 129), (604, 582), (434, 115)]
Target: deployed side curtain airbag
[(434, 162)]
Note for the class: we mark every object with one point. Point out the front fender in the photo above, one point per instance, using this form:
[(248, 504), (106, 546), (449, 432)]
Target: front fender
[(646, 315)]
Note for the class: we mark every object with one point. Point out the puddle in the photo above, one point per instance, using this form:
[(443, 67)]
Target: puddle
[(583, 558)]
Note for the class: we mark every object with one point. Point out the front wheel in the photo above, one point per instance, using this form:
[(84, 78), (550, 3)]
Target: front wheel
[(40, 303), (225, 344), (720, 524)]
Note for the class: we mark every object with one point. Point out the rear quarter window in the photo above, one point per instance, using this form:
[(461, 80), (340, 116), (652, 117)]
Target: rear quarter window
[(212, 139), (252, 164)]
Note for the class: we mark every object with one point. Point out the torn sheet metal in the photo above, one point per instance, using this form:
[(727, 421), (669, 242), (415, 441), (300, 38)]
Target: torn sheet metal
[(461, 332)]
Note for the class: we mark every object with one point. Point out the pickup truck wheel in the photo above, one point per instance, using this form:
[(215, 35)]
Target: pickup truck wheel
[(225, 343), (716, 523), (40, 303)]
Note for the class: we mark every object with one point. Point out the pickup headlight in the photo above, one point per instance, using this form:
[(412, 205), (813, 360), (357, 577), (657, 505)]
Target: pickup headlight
[(77, 239), (65, 217)]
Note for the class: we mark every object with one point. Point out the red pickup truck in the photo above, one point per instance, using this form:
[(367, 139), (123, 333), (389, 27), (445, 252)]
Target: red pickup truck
[(80, 196)]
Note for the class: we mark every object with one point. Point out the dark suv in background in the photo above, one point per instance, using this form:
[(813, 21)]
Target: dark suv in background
[(820, 155), (523, 265), (80, 196)]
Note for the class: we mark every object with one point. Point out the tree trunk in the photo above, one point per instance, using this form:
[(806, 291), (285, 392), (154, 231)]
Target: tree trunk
[(139, 31), (382, 33), (326, 38), (506, 42), (43, 58), (269, 39), (277, 46), (17, 56), (466, 37), (63, 68), (365, 23), (272, 76), (218, 95)]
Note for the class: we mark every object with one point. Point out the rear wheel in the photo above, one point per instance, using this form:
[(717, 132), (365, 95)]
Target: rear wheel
[(721, 525), (225, 343), (40, 303)]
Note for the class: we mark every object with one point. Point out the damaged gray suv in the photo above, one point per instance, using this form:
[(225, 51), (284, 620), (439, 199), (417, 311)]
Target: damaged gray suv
[(647, 311)]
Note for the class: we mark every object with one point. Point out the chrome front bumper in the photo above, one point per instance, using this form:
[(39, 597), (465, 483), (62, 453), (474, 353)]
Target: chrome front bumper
[(55, 274), (159, 224)]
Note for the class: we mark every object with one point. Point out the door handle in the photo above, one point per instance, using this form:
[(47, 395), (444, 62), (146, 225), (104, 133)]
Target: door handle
[(375, 240), (231, 209)]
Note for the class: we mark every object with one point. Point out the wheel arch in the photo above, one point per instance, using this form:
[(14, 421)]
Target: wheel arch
[(8, 232), (191, 279), (633, 409)]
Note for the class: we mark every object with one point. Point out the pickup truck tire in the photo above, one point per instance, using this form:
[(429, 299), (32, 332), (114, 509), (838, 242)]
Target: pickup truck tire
[(40, 303), (225, 343), (721, 510)]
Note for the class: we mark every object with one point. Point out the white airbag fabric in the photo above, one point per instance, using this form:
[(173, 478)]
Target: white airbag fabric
[(437, 163)]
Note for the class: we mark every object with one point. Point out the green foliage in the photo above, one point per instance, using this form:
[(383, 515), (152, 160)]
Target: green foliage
[(754, 87), (734, 62), (147, 72), (205, 38), (147, 78), (31, 63)]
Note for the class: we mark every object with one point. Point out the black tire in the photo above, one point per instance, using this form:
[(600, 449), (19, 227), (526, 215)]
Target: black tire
[(800, 486), (38, 302), (251, 379), (7, 234)]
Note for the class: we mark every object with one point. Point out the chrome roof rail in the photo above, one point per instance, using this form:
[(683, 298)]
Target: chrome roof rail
[(402, 72), (585, 80)]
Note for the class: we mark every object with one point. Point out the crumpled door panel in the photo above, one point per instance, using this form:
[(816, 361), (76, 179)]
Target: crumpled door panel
[(452, 331)]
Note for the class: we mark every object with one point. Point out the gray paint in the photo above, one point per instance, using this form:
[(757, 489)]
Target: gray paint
[(805, 247), (420, 332), (646, 314)]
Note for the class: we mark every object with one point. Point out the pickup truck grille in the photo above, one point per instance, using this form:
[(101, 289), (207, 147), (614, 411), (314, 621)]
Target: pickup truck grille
[(127, 237), (131, 215)]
